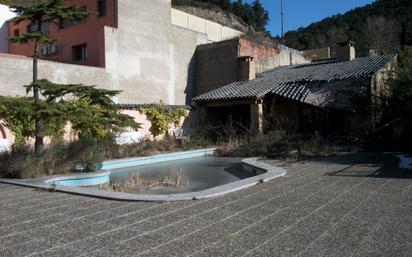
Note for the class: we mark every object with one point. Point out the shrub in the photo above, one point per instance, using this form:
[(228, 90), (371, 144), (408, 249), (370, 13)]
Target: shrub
[(162, 116), (58, 158), (21, 162), (277, 144), (89, 151)]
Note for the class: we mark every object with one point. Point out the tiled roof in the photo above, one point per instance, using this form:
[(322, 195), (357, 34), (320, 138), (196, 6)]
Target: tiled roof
[(240, 90), (294, 82), (138, 106)]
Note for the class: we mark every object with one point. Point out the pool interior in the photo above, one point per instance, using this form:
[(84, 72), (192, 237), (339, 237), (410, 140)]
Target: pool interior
[(193, 174)]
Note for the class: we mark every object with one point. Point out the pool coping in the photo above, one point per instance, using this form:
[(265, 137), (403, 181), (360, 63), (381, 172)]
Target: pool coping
[(250, 164)]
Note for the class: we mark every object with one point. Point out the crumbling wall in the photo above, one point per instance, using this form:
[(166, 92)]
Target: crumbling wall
[(381, 90), (282, 114), (265, 58), (317, 54), (216, 65)]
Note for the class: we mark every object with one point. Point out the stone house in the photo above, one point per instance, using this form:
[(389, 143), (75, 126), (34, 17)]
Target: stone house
[(334, 96)]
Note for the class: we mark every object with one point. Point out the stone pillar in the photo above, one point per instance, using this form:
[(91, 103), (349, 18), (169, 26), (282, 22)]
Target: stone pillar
[(256, 117)]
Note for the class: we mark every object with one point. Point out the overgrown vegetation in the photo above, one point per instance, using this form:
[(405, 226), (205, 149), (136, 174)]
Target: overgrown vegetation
[(137, 182), (253, 14), (60, 157), (162, 116), (397, 126), (384, 25), (401, 101), (280, 145)]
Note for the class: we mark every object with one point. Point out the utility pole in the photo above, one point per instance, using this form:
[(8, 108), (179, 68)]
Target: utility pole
[(282, 20)]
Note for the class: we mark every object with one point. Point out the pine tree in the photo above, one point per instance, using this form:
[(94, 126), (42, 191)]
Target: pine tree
[(260, 14), (38, 14)]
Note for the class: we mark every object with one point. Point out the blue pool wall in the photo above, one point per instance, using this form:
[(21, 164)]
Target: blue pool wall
[(131, 162), (81, 182), (94, 178)]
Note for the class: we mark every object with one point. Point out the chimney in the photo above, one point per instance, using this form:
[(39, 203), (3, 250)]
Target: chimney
[(373, 52), (247, 68), (346, 51)]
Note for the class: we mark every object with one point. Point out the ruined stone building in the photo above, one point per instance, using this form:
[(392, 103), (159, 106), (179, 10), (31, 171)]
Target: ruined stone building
[(336, 96)]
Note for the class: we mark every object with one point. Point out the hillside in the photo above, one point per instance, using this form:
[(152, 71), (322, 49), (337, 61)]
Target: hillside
[(383, 25), (254, 14), (227, 18)]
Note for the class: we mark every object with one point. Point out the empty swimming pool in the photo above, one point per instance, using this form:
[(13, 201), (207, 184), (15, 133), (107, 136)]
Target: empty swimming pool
[(181, 176)]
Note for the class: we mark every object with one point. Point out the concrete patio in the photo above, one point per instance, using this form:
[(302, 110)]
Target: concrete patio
[(353, 205)]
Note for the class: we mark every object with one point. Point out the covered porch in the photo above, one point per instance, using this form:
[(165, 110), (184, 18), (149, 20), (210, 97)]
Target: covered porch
[(243, 116)]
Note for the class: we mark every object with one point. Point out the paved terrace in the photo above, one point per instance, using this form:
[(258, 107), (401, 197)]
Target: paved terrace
[(357, 205)]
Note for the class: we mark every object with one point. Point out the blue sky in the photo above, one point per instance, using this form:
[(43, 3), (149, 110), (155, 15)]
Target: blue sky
[(300, 13)]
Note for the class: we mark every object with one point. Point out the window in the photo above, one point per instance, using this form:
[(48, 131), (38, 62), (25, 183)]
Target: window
[(50, 49), (101, 8), (80, 52), (67, 23), (16, 33), (33, 27), (45, 27)]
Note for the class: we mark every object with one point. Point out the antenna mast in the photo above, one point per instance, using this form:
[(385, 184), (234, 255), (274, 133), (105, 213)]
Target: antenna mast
[(282, 20)]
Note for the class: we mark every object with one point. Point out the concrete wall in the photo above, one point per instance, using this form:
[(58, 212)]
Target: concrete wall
[(16, 71), (153, 62), (318, 54), (213, 31), (5, 14), (290, 56)]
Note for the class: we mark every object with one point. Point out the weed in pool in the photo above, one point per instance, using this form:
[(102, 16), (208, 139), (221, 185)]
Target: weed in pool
[(179, 178), (137, 182)]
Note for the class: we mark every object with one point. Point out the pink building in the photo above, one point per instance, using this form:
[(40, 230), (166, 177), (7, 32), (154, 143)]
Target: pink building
[(78, 43)]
